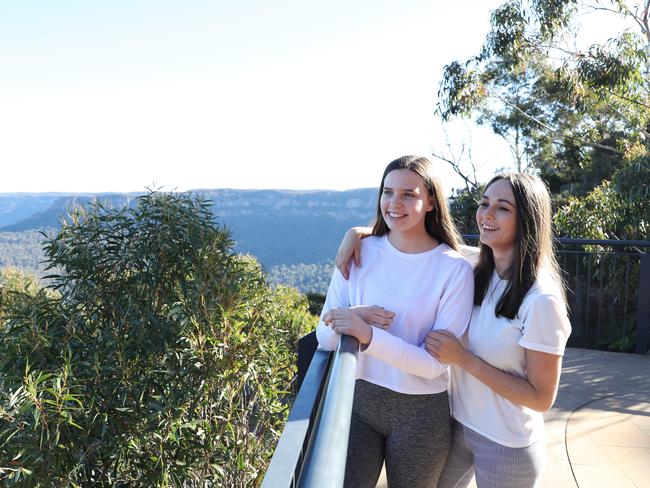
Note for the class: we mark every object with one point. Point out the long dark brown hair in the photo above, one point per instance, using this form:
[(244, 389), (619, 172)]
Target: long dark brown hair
[(533, 246), (437, 222)]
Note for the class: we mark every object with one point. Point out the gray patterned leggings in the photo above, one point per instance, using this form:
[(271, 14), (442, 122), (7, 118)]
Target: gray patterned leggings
[(495, 465), (411, 433)]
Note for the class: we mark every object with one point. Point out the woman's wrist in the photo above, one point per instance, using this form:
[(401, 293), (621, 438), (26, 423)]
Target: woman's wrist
[(366, 336), (467, 360)]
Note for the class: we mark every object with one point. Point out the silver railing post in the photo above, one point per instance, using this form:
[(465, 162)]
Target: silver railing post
[(326, 454)]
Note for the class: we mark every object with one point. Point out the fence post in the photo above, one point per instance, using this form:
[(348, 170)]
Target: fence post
[(643, 306)]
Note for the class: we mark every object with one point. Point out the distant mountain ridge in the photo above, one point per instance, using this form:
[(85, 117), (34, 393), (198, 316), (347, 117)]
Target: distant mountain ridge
[(279, 227), (15, 207), (52, 215)]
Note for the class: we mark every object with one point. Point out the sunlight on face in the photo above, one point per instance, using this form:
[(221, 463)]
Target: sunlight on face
[(496, 216), (405, 201)]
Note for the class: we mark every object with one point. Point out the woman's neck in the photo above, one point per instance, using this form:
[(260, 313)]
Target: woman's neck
[(412, 243), (503, 261)]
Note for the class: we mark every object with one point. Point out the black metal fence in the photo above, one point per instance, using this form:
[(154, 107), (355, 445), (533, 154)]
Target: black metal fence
[(608, 292)]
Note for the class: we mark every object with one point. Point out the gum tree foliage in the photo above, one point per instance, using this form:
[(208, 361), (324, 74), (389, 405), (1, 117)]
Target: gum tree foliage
[(155, 357), (577, 116), (567, 112), (616, 209), (13, 283)]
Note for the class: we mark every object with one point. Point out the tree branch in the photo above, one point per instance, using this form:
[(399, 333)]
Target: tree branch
[(625, 11), (555, 131), (470, 180), (623, 97), (454, 165)]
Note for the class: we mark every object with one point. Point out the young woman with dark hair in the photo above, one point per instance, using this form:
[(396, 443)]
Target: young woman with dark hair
[(505, 370), (401, 408)]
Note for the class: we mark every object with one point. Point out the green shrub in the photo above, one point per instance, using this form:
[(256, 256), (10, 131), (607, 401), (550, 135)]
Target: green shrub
[(163, 359), (14, 282)]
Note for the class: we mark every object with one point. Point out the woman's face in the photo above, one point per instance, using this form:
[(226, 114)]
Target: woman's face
[(404, 201), (496, 216)]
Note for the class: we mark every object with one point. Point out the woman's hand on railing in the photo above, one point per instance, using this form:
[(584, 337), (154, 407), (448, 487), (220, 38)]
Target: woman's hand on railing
[(345, 321)]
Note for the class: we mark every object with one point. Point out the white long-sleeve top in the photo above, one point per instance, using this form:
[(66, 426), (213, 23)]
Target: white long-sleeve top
[(429, 290)]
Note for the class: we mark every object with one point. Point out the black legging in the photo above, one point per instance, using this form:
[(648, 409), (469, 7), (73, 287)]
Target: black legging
[(411, 433)]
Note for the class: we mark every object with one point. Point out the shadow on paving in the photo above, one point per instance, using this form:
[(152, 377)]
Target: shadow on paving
[(590, 375)]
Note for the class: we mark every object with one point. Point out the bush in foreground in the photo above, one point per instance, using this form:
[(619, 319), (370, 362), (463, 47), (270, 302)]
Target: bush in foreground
[(162, 359)]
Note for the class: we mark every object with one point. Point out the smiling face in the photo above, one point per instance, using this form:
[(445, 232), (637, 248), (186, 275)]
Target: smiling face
[(496, 217), (405, 201)]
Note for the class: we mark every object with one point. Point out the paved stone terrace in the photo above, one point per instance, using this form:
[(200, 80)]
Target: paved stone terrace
[(598, 431)]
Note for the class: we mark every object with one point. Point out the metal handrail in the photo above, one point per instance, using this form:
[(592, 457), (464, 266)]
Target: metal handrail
[(313, 446), (286, 464), (327, 452)]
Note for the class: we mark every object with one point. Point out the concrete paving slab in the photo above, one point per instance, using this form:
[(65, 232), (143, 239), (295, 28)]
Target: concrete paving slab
[(633, 461), (601, 477)]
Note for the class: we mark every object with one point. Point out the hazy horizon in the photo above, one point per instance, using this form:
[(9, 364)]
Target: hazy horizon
[(116, 96)]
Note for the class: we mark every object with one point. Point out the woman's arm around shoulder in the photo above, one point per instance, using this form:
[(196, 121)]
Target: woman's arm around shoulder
[(350, 249)]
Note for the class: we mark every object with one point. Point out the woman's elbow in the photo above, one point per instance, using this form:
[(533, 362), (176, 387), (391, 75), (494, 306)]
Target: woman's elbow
[(543, 403), (435, 372)]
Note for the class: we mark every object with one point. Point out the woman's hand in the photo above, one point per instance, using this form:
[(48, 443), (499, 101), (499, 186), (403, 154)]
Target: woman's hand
[(350, 248), (345, 321), (537, 390), (373, 315), (445, 347)]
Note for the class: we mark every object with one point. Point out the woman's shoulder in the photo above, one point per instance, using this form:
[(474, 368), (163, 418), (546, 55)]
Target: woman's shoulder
[(463, 253), (545, 291), (546, 283), (544, 315), (373, 242), (470, 254), (455, 260)]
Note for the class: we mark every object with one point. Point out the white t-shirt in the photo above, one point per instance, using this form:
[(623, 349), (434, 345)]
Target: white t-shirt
[(429, 290), (540, 325)]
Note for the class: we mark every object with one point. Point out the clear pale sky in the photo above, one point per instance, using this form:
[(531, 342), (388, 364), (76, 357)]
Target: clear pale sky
[(119, 95)]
